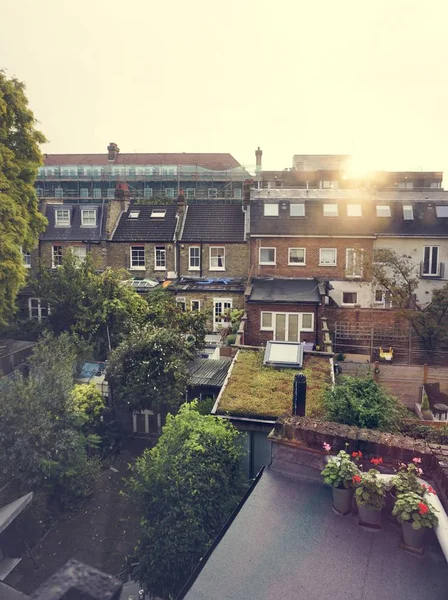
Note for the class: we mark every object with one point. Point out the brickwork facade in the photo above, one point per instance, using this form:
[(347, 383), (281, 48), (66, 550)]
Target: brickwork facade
[(236, 261), (119, 257), (365, 316), (97, 251), (207, 301)]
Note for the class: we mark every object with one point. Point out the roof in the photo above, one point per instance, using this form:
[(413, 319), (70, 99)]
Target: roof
[(201, 284), (213, 161), (8, 347), (75, 232), (297, 291), (144, 228), (213, 223), (9, 593), (286, 542), (12, 510), (209, 372)]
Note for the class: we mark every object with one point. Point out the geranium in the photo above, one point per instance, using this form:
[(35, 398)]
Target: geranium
[(410, 508), (419, 471), (357, 454), (356, 479), (326, 447), (422, 508), (339, 471), (416, 460), (377, 461), (429, 489)]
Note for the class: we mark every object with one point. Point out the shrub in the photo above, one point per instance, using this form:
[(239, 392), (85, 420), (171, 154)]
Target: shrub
[(363, 403), (230, 340), (425, 401), (425, 432)]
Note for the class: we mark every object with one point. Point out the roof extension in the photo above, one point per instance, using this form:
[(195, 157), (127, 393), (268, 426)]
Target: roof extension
[(209, 372), (75, 231), (137, 225), (297, 291), (214, 223)]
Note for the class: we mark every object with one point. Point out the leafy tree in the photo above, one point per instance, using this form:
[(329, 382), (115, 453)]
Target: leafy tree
[(363, 403), (188, 485), (87, 402), (94, 305), (148, 370), (398, 275), (20, 220)]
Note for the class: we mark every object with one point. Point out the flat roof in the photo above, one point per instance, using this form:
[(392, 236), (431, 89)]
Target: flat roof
[(286, 543)]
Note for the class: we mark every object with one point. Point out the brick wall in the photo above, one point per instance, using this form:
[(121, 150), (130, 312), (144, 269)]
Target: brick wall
[(255, 337), (366, 316), (118, 257), (206, 299), (236, 261), (312, 246), (97, 251), (114, 210)]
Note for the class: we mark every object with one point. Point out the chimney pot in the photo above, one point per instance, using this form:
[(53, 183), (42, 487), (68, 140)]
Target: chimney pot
[(113, 151)]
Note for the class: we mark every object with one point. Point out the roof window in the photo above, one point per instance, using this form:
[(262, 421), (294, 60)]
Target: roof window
[(158, 213), (134, 214), (382, 210), (271, 210), (408, 212), (442, 211), (354, 210), (297, 210), (331, 210)]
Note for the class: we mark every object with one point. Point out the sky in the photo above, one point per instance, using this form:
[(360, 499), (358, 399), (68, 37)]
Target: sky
[(368, 79)]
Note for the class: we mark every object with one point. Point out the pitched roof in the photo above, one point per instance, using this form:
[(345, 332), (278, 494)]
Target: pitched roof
[(208, 372), (270, 289), (75, 232), (213, 223), (214, 161), (145, 228)]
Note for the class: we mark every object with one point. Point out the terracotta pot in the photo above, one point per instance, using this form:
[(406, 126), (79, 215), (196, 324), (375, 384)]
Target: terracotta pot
[(413, 538), (369, 517), (342, 500)]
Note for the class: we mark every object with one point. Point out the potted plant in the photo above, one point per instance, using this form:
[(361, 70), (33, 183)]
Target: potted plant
[(415, 515), (370, 498), (342, 474), (406, 479)]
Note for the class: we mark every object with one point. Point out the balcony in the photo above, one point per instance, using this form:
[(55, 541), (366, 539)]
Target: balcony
[(430, 271)]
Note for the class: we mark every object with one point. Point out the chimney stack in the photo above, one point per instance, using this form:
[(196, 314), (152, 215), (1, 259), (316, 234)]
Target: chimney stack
[(258, 155), (180, 202), (113, 151), (299, 396)]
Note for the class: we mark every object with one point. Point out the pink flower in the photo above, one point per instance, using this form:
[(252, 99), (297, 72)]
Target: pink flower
[(419, 471), (403, 465), (326, 447), (416, 460)]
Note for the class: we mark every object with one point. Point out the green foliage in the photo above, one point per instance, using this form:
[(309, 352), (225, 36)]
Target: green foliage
[(20, 220), (371, 492), (363, 403), (231, 339), (94, 305), (87, 402), (340, 357), (188, 486), (433, 435), (339, 471), (425, 401), (406, 480), (204, 407), (412, 508), (148, 370)]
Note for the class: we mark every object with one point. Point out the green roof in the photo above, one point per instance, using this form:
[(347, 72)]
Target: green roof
[(256, 391)]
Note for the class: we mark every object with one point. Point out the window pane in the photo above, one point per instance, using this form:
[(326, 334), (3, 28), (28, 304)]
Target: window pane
[(271, 210), (408, 213), (354, 210), (137, 256), (382, 211), (297, 210), (266, 320), (293, 328), (349, 298), (330, 210), (267, 255), (160, 257), (297, 255), (442, 211), (217, 258), (379, 296), (327, 256), (195, 305), (194, 258), (435, 253), (280, 327), (307, 321), (57, 256)]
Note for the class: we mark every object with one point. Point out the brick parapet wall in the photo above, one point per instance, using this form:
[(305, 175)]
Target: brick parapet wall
[(308, 436)]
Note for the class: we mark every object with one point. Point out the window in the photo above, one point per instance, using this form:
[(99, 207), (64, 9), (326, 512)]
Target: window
[(138, 257), (405, 185), (39, 192), (147, 192), (442, 211), (181, 304), (267, 256), (266, 321), (160, 258), (307, 322), (59, 192), (217, 259), (221, 312), (97, 193), (62, 217), (297, 210), (354, 210), (56, 256), (158, 213), (133, 214), (169, 192), (238, 193), (111, 193), (286, 326), (88, 217), (212, 192), (80, 252), (331, 210), (194, 258), (435, 185), (271, 210), (379, 296), (349, 298), (169, 170), (38, 309), (296, 256), (382, 210), (353, 262), (84, 192), (430, 264), (190, 193), (26, 258), (195, 305), (327, 257), (329, 184), (408, 212)]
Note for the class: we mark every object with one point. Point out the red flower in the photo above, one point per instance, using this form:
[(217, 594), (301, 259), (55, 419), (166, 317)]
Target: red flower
[(356, 479), (357, 454), (422, 508), (377, 461)]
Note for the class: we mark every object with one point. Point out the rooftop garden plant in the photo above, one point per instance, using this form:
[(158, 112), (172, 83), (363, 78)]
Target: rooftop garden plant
[(340, 471), (406, 479), (413, 509), (371, 490)]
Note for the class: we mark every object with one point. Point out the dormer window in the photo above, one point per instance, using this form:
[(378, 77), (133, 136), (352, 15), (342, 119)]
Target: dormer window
[(383, 210), (62, 217), (408, 212), (88, 217), (296, 210), (331, 210), (442, 211), (133, 214), (271, 210), (158, 213), (354, 210)]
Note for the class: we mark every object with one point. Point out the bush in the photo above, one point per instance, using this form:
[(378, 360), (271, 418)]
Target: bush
[(430, 434), (231, 339), (363, 403), (425, 402), (204, 407)]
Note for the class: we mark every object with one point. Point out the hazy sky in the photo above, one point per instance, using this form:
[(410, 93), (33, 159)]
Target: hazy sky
[(366, 78)]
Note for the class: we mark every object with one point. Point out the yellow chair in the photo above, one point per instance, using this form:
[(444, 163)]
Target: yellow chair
[(386, 355)]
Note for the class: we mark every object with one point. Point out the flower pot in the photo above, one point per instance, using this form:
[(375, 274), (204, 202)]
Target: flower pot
[(368, 517), (342, 500), (413, 539)]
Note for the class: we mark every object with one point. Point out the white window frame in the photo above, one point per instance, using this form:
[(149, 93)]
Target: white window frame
[(111, 193), (132, 259), (133, 214), (442, 211), (408, 212), (383, 296), (267, 327), (354, 210), (26, 258), (158, 213), (162, 250), (331, 210), (182, 300), (270, 209), (212, 192), (169, 192), (349, 303), (39, 308), (190, 193), (217, 268), (75, 250), (59, 192), (385, 208), (58, 263), (65, 222), (328, 264), (431, 273), (297, 264), (301, 328), (83, 215), (147, 192), (357, 255), (260, 262), (190, 266), (198, 304), (217, 322), (97, 193), (297, 205)]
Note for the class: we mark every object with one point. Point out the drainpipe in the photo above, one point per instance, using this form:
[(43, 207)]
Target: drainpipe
[(200, 259), (316, 322)]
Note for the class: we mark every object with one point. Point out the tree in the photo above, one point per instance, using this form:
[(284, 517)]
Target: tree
[(20, 220), (188, 485), (149, 369), (95, 305), (398, 275)]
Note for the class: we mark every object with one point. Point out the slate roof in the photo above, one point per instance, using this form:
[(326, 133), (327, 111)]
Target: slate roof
[(223, 284), (213, 223), (144, 228), (270, 289), (287, 543), (213, 161), (208, 372), (75, 233)]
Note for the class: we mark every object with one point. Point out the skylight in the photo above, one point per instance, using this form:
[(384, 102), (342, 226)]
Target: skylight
[(382, 210), (354, 210), (442, 211), (158, 213), (134, 214), (408, 212), (284, 354)]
